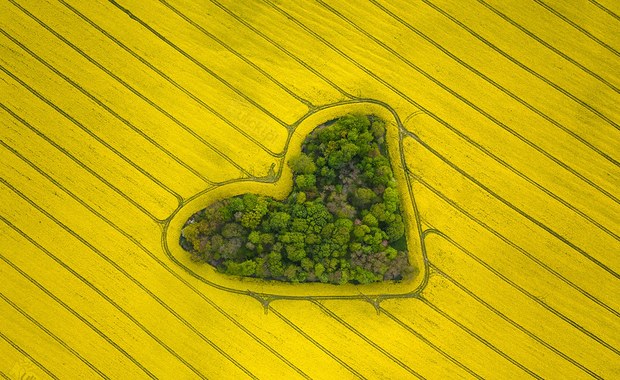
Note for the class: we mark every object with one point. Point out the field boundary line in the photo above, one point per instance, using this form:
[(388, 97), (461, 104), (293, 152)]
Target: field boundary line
[(105, 107), (506, 240), (64, 305), (604, 9), (168, 79), (199, 64), (53, 336), (365, 338), (306, 102), (513, 323), (476, 108), (581, 29), (144, 249), (419, 106), (139, 285), (74, 159), (109, 109), (479, 338), (421, 337), (518, 210), (282, 49), (315, 343), (520, 64), (497, 85), (26, 354), (264, 297), (134, 91)]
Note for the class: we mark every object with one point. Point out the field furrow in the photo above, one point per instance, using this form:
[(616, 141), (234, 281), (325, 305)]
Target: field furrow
[(516, 83), (194, 78), (206, 52), (502, 32), (593, 251), (368, 358), (54, 353), (161, 129), (502, 256), (516, 304), (432, 359), (544, 180), (597, 28), (19, 363), (177, 316), (68, 137), (454, 343), (294, 74), (452, 107), (120, 119), (51, 167), (561, 38)]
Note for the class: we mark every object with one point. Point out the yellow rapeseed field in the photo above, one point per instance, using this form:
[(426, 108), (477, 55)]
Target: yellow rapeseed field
[(121, 118)]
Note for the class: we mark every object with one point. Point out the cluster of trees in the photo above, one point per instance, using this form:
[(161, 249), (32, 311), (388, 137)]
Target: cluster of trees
[(341, 223)]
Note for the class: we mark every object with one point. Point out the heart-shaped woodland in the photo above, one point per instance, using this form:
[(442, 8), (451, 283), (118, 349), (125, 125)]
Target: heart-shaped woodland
[(341, 223)]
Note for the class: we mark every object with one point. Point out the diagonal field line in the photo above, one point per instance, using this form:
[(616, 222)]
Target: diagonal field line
[(516, 325), (427, 111), (421, 337), (518, 63), (139, 245), (135, 92), (509, 242), (517, 209), (26, 354), (606, 10), (237, 54), (104, 106), (443, 86), (160, 73), (64, 305), (137, 283), (53, 336), (366, 339), (199, 64), (497, 85), (576, 26), (74, 159)]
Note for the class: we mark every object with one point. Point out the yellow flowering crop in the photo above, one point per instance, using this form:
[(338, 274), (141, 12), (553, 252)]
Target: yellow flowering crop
[(120, 119)]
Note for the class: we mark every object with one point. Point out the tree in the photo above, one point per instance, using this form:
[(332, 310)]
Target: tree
[(364, 197), (395, 229), (236, 204), (190, 233), (378, 128), (279, 221), (370, 220), (302, 164), (305, 182), (390, 199), (336, 226), (246, 268), (291, 272), (274, 264), (230, 230)]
